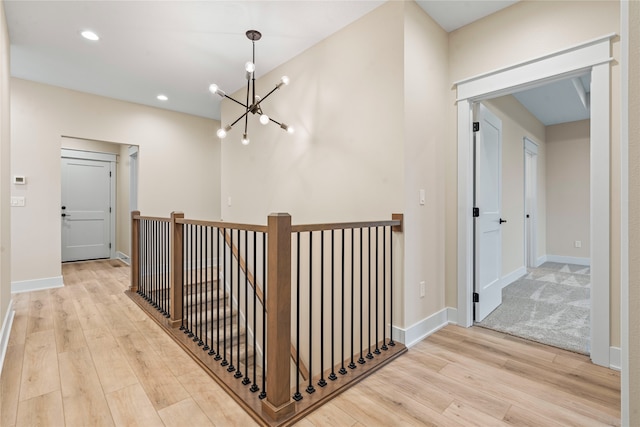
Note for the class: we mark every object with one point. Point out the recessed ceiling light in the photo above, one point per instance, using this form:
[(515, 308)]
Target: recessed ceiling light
[(163, 97), (90, 35)]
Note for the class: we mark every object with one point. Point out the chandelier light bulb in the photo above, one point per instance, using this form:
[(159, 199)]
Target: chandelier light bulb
[(285, 80), (245, 139), (221, 133), (264, 119), (250, 67), (290, 129), (216, 90)]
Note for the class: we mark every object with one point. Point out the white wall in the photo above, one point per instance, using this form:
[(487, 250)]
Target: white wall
[(568, 201), (5, 170), (179, 163)]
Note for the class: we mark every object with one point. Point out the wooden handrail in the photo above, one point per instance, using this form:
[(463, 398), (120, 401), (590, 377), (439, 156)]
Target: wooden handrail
[(227, 225), (344, 225), (149, 218)]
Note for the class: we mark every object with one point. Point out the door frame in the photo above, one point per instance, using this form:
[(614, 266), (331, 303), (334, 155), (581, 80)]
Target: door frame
[(593, 56), (531, 226), (102, 157)]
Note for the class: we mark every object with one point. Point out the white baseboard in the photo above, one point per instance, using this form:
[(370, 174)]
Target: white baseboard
[(123, 257), (615, 358), (541, 260), (513, 276), (419, 331), (36, 284), (5, 331), (568, 260)]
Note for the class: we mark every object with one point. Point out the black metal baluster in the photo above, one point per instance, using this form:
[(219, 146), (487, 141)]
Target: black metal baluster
[(384, 287), (254, 387), (154, 281), (332, 375), (369, 355), (167, 271), (191, 280), (297, 396), (198, 272), (310, 388), (215, 274), (322, 382), (208, 301), (183, 325), (343, 370), (224, 278), (391, 342), (263, 393), (219, 283), (352, 365), (238, 373), (377, 350), (361, 359), (231, 368), (246, 380)]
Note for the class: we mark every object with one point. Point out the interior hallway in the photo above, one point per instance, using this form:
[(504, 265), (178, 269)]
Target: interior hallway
[(85, 354)]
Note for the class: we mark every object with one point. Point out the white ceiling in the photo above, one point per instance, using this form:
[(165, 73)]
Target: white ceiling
[(178, 48)]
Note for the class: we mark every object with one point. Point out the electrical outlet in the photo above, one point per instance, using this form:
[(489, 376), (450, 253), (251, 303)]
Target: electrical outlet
[(423, 289), (578, 244)]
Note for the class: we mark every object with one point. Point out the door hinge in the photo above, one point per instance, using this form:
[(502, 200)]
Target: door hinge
[(476, 297), (109, 173), (476, 212), (476, 126), (109, 245), (109, 209)]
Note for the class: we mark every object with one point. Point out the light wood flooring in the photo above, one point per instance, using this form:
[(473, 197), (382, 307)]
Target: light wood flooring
[(86, 355)]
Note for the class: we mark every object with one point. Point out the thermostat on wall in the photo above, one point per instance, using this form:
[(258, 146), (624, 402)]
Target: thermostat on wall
[(19, 179)]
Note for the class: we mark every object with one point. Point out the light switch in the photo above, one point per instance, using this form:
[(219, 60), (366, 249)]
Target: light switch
[(17, 201), (422, 197)]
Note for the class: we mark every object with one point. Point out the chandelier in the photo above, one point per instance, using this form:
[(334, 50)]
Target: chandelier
[(255, 105)]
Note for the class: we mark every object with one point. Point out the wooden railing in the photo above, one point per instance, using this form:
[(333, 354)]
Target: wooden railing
[(254, 304)]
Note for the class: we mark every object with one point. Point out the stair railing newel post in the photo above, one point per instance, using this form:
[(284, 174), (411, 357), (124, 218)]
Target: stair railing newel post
[(177, 267), (135, 251), (395, 229), (278, 402)]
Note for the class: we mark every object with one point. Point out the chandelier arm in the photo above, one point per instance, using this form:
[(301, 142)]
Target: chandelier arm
[(267, 95), (236, 101), (246, 114), (239, 118), (275, 121)]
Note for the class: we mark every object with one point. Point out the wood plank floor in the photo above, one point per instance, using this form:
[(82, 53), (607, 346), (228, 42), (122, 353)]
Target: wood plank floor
[(85, 355)]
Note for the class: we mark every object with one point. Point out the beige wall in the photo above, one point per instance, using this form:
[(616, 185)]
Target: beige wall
[(517, 123), (367, 106), (522, 32), (5, 170), (179, 158), (568, 176), (634, 218)]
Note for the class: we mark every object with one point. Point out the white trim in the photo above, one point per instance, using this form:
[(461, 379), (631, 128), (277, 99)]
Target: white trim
[(614, 358), (89, 155), (123, 257), (568, 260), (513, 276), (419, 331), (5, 332), (36, 284), (566, 62), (541, 260), (624, 214), (591, 56)]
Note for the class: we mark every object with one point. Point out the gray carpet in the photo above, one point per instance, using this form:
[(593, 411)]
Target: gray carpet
[(551, 305)]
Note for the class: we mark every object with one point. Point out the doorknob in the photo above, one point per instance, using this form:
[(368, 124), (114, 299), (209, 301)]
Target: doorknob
[(64, 214), (502, 220), (64, 207)]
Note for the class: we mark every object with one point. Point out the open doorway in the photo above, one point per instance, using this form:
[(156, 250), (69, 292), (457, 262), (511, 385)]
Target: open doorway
[(122, 173), (592, 57)]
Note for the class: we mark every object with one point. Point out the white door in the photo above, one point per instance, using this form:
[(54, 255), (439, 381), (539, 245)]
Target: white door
[(85, 210), (488, 238), (530, 202)]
